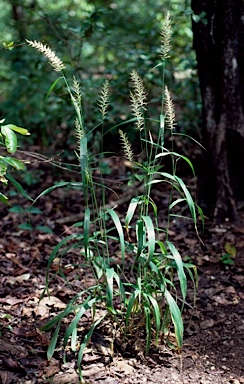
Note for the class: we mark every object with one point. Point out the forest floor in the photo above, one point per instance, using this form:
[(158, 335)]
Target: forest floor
[(214, 329)]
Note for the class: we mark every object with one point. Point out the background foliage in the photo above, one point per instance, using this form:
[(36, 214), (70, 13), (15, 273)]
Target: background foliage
[(96, 40)]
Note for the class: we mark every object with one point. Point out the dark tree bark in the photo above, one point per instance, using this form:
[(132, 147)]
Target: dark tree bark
[(18, 12), (218, 28)]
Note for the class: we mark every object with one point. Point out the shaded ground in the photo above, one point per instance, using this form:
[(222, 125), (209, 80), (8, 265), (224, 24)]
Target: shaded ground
[(214, 330)]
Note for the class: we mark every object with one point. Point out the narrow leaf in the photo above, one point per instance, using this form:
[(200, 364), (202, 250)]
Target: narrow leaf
[(119, 228), (150, 235), (86, 229), (85, 343), (53, 342), (130, 306), (148, 327), (176, 318), (88, 303), (18, 187), (110, 288), (131, 210), (53, 85), (180, 268), (50, 189)]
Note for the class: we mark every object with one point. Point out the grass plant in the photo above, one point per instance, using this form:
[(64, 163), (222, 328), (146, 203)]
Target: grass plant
[(148, 294)]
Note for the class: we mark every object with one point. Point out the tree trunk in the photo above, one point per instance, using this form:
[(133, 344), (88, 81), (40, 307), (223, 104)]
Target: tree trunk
[(218, 28)]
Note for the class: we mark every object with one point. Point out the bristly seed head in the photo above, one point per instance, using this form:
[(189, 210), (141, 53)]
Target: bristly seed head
[(169, 110), (103, 101), (166, 37), (126, 146), (55, 62), (138, 99)]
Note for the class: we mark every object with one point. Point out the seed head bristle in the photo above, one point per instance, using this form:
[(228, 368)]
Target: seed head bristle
[(169, 110), (103, 101), (166, 37), (53, 59), (126, 146), (77, 91), (138, 99)]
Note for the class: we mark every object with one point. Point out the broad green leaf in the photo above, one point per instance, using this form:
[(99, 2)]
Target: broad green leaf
[(180, 268), (44, 229), (4, 199), (10, 139), (176, 318), (15, 163), (20, 130), (25, 226), (29, 210), (3, 168), (9, 46)]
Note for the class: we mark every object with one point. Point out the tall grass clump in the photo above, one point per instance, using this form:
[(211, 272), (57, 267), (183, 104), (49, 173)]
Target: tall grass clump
[(144, 291)]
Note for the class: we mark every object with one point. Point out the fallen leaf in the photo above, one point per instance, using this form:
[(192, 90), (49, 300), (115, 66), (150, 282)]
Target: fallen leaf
[(230, 290), (209, 323), (19, 279), (230, 249), (52, 368), (122, 366), (68, 377), (43, 308), (6, 377)]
